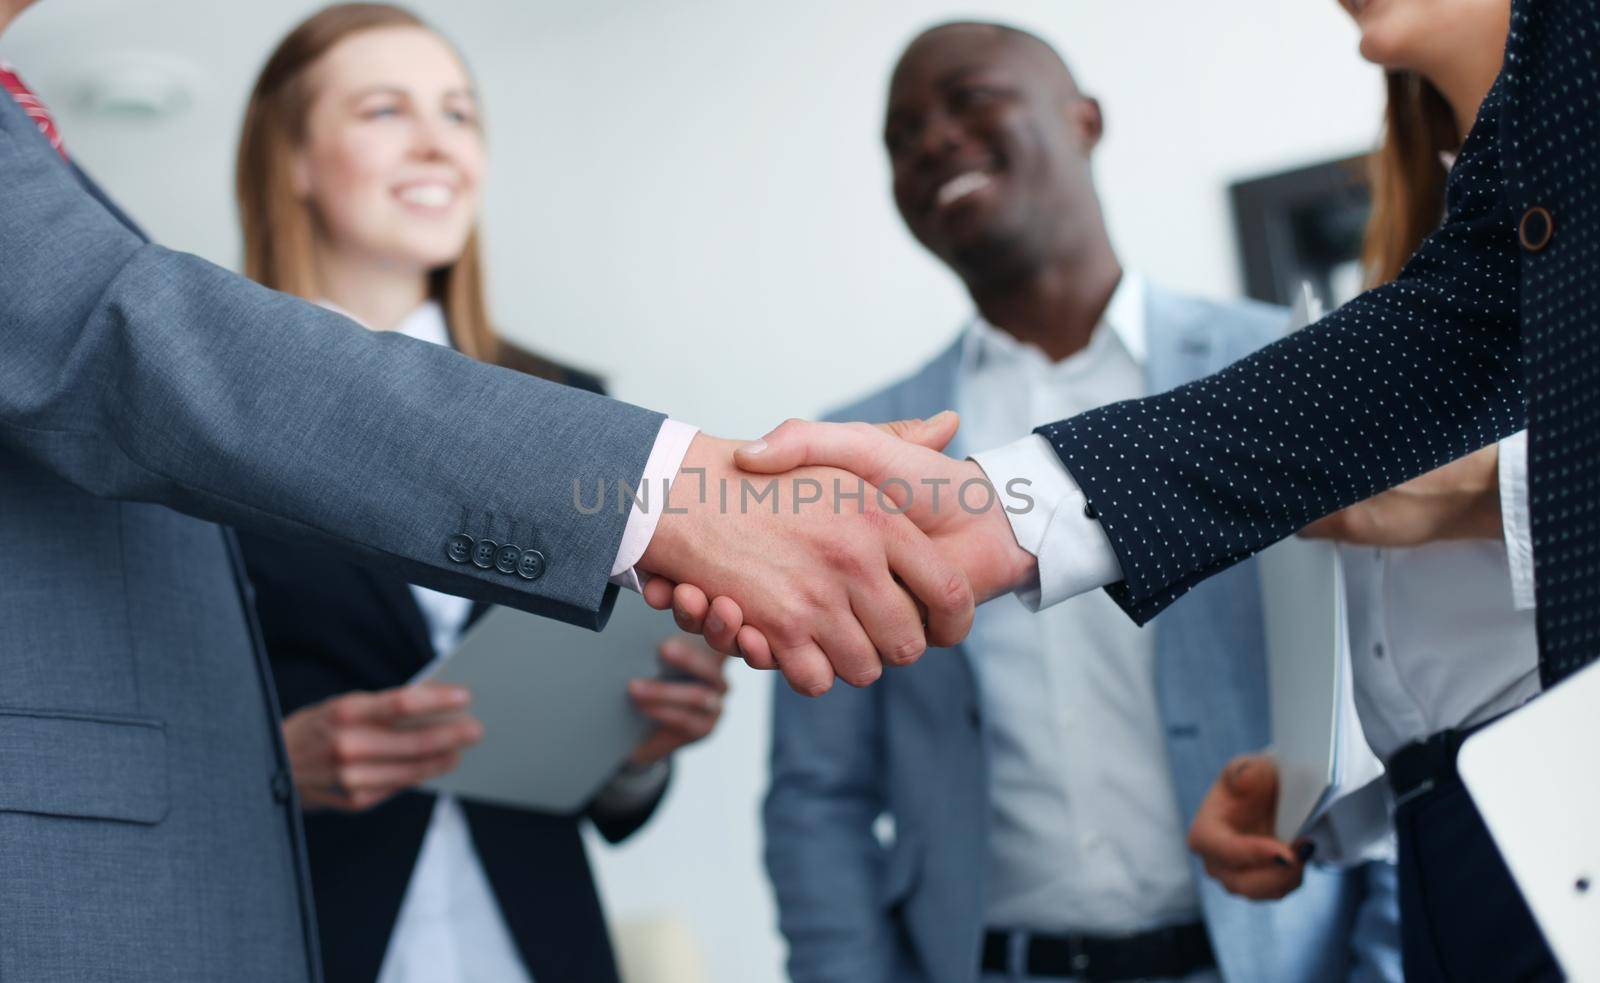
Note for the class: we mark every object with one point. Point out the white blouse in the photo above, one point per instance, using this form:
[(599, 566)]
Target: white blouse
[(1442, 636)]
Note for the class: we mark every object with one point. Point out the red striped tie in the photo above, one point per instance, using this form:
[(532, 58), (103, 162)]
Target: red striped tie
[(32, 106)]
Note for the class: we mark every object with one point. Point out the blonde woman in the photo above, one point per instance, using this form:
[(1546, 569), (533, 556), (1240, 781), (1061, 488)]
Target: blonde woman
[(361, 163)]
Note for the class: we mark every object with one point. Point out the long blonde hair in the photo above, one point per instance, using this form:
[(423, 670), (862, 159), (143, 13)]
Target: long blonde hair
[(277, 224), (1408, 174)]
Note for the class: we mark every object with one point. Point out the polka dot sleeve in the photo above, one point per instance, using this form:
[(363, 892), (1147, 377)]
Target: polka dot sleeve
[(1397, 382)]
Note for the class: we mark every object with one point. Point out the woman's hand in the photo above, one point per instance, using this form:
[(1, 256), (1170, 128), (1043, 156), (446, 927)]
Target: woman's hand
[(353, 751), (1458, 501), (687, 709), (1232, 832)]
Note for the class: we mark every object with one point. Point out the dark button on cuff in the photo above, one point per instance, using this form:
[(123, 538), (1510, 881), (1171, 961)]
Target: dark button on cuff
[(1089, 512), (458, 548), (505, 560), (1536, 228), (530, 565), (483, 552), (282, 786)]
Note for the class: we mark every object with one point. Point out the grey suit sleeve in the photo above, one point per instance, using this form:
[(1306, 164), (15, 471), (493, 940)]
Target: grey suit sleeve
[(826, 865), (135, 372)]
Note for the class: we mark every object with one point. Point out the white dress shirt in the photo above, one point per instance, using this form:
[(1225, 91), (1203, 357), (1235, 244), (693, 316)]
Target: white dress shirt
[(1086, 833), (450, 929), (1452, 620), (1438, 636)]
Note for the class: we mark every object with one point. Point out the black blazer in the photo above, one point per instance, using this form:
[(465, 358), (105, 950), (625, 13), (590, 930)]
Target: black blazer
[(332, 626)]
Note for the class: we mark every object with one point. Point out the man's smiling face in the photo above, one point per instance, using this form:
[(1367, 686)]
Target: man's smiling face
[(989, 143)]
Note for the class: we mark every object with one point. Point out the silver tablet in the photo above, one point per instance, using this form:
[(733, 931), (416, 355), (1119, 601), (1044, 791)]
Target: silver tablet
[(1532, 777), (554, 704)]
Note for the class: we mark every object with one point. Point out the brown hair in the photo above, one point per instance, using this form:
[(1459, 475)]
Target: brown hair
[(277, 224), (1407, 175)]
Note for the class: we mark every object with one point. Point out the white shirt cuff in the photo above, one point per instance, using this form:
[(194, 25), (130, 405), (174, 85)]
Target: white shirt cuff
[(1046, 511), (672, 443), (1514, 517)]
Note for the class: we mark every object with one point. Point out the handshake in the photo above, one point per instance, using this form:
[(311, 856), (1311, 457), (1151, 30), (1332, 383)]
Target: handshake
[(830, 550)]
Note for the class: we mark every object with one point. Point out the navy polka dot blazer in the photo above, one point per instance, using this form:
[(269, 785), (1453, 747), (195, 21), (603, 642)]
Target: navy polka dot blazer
[(1494, 322)]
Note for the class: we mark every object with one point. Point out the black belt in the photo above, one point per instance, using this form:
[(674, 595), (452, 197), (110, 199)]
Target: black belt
[(1421, 766), (1162, 953)]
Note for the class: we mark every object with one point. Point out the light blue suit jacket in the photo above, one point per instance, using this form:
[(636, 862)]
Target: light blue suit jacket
[(911, 747)]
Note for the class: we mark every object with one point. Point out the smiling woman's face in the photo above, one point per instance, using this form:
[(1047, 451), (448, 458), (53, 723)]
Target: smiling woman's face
[(393, 155), (1420, 35)]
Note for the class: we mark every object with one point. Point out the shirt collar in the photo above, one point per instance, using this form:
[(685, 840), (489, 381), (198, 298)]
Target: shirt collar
[(426, 323), (1125, 315)]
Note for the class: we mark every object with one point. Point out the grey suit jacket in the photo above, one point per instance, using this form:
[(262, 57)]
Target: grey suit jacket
[(911, 747), (147, 820)]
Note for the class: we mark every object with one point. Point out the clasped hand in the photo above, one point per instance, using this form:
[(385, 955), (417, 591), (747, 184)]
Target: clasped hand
[(821, 586)]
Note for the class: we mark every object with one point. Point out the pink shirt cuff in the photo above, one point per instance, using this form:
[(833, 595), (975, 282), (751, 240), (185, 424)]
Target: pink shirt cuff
[(672, 443)]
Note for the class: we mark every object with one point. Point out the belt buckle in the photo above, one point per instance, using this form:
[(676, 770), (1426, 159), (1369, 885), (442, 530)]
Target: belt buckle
[(1417, 792), (1078, 956)]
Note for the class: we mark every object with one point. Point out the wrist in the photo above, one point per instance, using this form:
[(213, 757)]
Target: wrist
[(1015, 567), (1478, 491), (1480, 519), (998, 564), (1477, 514), (689, 493), (646, 756)]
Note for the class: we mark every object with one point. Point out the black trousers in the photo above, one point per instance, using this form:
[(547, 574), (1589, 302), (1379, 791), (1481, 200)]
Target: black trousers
[(1461, 915)]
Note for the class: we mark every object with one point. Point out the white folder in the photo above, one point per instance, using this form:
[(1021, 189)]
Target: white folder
[(1534, 778), (1317, 740)]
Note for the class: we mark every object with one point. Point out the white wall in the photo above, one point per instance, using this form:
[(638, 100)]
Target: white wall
[(690, 196)]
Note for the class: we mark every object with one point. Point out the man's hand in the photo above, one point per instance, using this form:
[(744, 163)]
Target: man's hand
[(351, 752), (949, 500), (821, 573), (1458, 501), (686, 705), (1232, 832)]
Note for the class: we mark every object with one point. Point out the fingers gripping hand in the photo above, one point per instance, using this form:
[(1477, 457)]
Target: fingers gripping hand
[(687, 705), (818, 580), (352, 751), (1232, 832), (933, 434)]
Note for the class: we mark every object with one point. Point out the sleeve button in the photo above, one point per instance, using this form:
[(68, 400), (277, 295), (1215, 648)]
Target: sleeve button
[(530, 565), (282, 786), (483, 552), (459, 548)]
